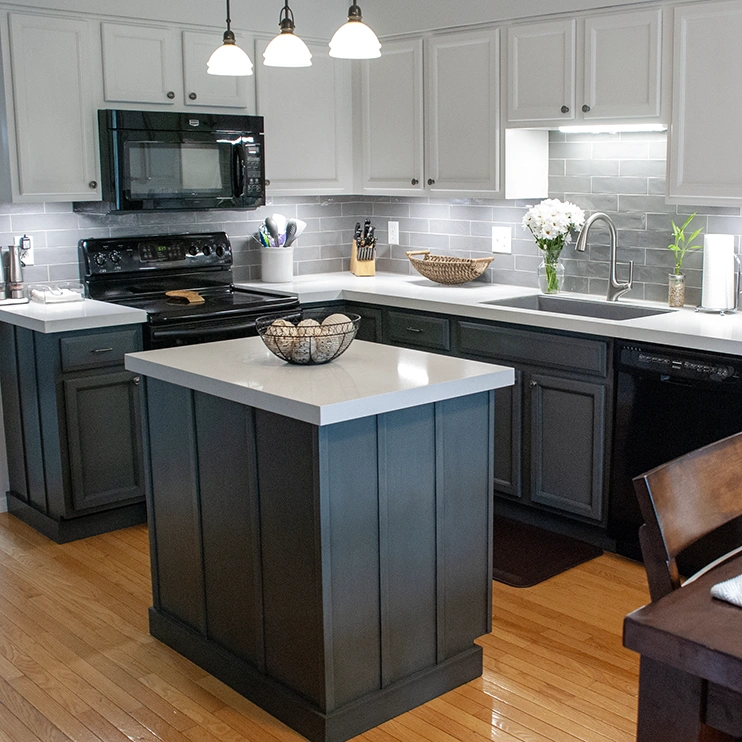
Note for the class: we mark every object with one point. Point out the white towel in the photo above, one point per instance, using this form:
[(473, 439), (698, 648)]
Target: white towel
[(56, 296), (729, 590)]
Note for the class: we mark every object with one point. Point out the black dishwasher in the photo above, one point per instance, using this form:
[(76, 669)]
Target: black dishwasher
[(668, 402)]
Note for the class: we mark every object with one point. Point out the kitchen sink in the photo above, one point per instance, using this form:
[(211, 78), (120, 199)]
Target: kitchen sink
[(579, 307)]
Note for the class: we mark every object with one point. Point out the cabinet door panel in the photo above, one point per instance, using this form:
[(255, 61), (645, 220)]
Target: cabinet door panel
[(214, 90), (508, 430), (462, 119), (103, 424), (567, 439), (541, 72), (704, 155), (393, 144), (52, 91), (622, 65), (307, 112), (139, 64)]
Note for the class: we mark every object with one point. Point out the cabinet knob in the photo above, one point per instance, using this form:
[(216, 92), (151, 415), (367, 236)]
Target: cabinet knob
[(565, 109), (93, 184), (136, 381), (586, 108), (267, 182), (533, 384), (170, 94), (414, 181), (431, 181), (192, 96)]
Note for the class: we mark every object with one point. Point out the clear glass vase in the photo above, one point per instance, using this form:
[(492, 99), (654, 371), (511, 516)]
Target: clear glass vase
[(550, 275), (676, 290)]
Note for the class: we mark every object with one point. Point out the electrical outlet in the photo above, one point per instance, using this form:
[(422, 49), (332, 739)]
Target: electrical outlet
[(393, 232), (501, 239), (27, 256)]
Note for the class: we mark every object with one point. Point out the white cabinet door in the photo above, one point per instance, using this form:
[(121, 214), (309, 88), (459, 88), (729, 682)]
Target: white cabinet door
[(54, 129), (705, 156), (393, 119), (462, 128), (204, 90), (622, 66), (541, 73), (308, 124), (140, 64)]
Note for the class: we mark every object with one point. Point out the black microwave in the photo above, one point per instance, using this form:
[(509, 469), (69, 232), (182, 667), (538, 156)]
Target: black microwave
[(161, 160)]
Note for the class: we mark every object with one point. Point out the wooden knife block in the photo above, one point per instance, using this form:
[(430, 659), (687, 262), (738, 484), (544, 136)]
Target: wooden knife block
[(361, 267)]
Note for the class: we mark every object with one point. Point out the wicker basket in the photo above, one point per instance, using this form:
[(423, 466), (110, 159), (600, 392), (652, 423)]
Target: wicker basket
[(446, 268)]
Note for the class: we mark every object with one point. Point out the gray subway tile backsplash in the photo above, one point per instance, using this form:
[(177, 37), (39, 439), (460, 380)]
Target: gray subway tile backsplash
[(622, 175)]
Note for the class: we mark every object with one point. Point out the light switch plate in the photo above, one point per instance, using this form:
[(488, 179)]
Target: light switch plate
[(393, 233), (501, 239)]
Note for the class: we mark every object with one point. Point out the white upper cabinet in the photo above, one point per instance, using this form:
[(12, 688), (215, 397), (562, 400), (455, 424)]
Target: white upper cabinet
[(705, 156), (52, 148), (152, 64), (598, 69), (431, 117), (308, 124), (393, 148)]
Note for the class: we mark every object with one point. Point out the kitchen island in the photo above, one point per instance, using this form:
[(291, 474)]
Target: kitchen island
[(320, 535)]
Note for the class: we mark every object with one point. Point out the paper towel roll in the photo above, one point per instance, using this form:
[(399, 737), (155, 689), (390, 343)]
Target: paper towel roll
[(718, 272)]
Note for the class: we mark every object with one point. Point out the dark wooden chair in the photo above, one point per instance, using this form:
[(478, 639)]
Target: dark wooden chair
[(682, 502)]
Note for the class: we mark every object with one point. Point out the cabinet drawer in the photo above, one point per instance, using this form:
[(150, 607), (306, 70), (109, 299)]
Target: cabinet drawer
[(540, 348), (433, 333), (101, 349)]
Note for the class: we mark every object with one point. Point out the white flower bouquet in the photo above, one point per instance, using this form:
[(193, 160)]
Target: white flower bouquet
[(551, 223)]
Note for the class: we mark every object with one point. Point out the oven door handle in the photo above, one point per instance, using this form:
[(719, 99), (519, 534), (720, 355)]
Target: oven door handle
[(239, 165), (203, 333)]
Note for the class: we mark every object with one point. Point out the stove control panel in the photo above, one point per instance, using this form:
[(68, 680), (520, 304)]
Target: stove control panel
[(164, 252)]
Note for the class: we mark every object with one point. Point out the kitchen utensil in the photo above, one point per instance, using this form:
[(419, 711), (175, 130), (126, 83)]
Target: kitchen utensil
[(357, 232), (263, 236), (366, 227), (300, 227), (290, 232), (15, 272), (280, 221), (272, 228)]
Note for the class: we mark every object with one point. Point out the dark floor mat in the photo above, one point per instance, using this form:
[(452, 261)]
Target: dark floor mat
[(524, 555)]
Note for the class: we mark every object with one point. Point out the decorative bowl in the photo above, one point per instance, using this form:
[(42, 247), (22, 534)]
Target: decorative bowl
[(447, 268), (317, 337)]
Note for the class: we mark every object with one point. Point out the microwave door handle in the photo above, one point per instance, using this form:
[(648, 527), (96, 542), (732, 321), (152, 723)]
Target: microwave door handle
[(238, 171)]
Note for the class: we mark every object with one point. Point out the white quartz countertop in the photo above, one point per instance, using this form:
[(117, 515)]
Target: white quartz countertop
[(682, 328), (75, 315), (368, 379)]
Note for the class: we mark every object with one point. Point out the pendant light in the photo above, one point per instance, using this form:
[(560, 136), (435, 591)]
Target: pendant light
[(287, 49), (354, 39), (229, 59)]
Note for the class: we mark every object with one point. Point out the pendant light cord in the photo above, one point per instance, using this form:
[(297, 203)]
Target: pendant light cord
[(229, 20), (286, 17)]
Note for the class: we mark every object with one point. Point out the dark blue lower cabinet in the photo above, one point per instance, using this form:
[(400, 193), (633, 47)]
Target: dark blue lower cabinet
[(337, 576)]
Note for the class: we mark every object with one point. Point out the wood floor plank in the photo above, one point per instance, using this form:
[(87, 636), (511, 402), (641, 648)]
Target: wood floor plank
[(77, 663)]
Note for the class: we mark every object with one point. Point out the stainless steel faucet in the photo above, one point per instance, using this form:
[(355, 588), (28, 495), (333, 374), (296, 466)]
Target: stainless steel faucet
[(615, 289)]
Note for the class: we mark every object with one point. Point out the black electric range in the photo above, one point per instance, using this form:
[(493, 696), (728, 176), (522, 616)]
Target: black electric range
[(143, 272)]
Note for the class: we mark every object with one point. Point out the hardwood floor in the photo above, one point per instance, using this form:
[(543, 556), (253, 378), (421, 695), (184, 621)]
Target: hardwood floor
[(77, 663)]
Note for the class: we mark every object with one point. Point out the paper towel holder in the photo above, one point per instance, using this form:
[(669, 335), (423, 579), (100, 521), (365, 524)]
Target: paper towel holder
[(737, 286)]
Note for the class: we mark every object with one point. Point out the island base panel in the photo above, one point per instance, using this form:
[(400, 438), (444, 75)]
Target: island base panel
[(293, 710)]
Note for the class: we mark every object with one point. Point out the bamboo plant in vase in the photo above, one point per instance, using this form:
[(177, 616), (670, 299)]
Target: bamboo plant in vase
[(551, 223), (680, 246)]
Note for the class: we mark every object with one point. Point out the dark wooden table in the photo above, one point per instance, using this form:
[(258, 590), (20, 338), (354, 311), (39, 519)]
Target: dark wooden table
[(691, 662)]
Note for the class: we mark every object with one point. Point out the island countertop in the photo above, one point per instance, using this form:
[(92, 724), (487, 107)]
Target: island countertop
[(368, 379)]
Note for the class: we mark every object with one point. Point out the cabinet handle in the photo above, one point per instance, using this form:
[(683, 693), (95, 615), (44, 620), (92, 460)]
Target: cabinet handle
[(533, 384), (565, 109), (413, 329), (414, 181), (170, 94), (431, 181), (586, 108), (136, 381), (192, 96), (101, 350), (93, 184)]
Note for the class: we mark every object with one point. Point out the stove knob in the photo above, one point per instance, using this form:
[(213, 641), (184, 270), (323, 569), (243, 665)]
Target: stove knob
[(193, 250), (115, 256), (100, 259), (207, 250), (220, 251)]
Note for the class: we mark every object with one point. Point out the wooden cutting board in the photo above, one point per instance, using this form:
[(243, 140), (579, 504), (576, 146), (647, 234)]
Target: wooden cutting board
[(190, 297)]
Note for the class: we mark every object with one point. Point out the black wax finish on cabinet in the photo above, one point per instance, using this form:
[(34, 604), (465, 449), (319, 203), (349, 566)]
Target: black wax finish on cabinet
[(336, 575), (72, 423)]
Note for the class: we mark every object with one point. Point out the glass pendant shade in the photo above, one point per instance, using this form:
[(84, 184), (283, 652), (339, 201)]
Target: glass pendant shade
[(287, 49), (229, 59), (354, 39)]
